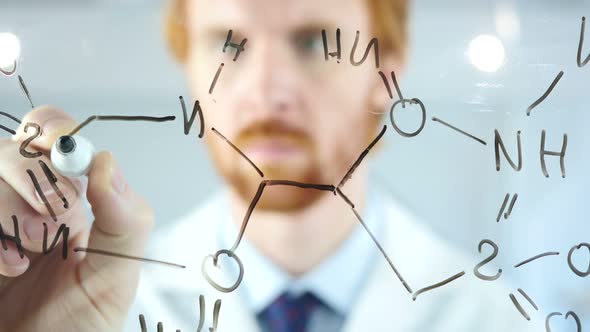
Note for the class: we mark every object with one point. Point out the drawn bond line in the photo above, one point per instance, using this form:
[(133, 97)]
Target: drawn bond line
[(335, 189)]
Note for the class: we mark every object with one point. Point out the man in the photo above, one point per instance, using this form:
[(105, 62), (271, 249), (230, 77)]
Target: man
[(308, 264)]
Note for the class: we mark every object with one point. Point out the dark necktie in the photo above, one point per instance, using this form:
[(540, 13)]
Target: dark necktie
[(288, 313)]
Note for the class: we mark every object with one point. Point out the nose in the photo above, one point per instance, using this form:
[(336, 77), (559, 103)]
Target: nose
[(269, 88)]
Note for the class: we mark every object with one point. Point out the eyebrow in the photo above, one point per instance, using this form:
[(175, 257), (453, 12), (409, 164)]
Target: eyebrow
[(306, 30), (220, 31), (314, 25)]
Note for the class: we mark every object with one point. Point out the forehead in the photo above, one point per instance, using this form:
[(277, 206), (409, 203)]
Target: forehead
[(277, 15)]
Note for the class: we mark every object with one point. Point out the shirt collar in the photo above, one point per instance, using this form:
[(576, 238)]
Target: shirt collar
[(264, 281)]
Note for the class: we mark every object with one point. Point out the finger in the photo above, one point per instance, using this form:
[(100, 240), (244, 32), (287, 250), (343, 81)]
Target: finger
[(20, 198), (37, 182), (29, 222), (11, 262), (53, 123), (34, 228), (123, 221)]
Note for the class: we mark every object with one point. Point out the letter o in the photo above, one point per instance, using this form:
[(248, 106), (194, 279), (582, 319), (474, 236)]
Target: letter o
[(411, 101), (215, 257), (571, 264)]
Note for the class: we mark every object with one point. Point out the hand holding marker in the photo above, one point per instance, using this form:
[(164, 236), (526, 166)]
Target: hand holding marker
[(87, 292)]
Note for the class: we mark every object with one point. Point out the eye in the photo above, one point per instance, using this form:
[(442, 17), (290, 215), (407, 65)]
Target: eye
[(309, 43), (72, 155)]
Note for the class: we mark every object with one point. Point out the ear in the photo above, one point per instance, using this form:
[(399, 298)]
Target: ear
[(380, 98)]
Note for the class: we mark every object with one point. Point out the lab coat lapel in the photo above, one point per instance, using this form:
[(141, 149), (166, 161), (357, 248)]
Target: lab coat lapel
[(194, 238), (235, 316), (423, 258), (384, 303), (383, 297)]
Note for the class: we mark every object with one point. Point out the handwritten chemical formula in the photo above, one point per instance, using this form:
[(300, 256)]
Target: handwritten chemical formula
[(550, 147)]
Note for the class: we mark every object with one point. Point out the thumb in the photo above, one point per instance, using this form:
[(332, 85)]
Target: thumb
[(123, 221)]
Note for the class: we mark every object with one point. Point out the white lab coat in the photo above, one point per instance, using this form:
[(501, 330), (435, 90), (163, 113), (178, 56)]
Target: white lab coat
[(170, 295)]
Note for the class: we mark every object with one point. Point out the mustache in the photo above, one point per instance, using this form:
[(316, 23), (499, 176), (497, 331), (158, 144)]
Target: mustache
[(273, 129)]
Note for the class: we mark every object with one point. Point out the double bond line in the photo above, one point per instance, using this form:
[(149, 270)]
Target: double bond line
[(507, 214)]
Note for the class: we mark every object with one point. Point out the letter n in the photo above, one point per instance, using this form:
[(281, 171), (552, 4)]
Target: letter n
[(65, 232), (498, 142), (373, 43), (189, 123)]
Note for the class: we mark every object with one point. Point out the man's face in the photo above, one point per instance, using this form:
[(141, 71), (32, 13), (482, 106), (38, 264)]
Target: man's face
[(296, 116)]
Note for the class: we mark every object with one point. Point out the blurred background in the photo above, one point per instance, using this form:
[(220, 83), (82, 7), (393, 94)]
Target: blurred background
[(475, 64)]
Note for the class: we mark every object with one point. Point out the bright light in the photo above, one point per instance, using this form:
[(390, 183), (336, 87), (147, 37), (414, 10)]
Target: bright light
[(9, 49), (486, 53)]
